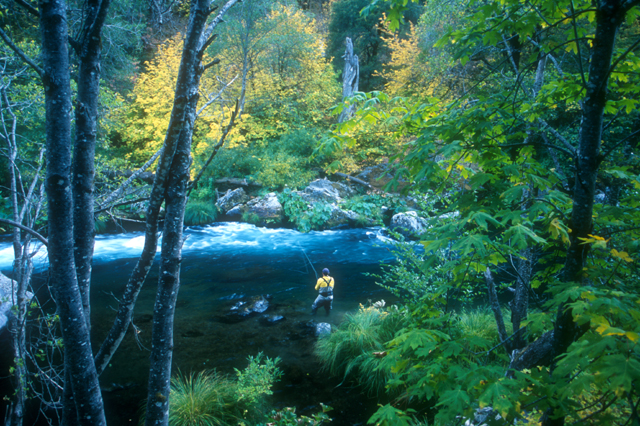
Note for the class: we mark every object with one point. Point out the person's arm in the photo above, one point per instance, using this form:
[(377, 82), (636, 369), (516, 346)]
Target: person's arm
[(317, 284)]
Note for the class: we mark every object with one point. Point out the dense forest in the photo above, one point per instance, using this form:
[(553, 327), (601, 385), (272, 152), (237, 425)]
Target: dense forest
[(508, 129)]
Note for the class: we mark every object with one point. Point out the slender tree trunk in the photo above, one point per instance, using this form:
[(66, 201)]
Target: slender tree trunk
[(609, 15), (86, 111), (179, 134), (56, 80), (495, 307), (350, 77)]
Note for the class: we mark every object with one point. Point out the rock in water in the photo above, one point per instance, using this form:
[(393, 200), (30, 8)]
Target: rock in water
[(271, 319), (245, 309), (323, 328)]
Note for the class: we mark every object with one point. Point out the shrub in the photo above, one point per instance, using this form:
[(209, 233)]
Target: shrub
[(288, 417), (355, 349), (200, 213), (279, 169), (203, 399), (209, 398)]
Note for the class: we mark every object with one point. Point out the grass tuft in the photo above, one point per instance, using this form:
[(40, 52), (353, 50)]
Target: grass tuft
[(352, 351)]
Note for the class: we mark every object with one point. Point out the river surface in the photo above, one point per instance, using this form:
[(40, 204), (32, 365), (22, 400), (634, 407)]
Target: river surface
[(223, 264)]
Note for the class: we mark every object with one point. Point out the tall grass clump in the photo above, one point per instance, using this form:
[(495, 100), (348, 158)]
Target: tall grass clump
[(477, 330), (198, 212), (209, 398), (355, 349), (202, 399)]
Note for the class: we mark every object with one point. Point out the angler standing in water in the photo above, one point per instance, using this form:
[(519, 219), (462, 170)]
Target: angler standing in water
[(325, 288)]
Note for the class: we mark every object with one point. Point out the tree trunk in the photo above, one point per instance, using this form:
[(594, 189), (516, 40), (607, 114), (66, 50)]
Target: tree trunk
[(179, 134), (86, 112), (350, 77), (78, 359), (495, 307)]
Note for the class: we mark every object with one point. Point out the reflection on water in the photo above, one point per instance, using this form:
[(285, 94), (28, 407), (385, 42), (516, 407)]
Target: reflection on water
[(222, 264)]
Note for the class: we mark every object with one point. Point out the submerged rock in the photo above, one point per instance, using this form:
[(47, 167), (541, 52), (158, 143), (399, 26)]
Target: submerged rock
[(271, 319), (323, 328), (245, 309)]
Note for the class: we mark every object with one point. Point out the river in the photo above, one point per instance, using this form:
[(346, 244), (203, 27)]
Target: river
[(223, 264)]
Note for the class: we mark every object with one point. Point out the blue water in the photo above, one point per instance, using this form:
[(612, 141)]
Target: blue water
[(222, 264)]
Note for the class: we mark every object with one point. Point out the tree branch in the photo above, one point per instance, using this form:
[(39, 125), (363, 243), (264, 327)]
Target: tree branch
[(554, 132), (212, 100), (356, 180), (215, 148), (610, 150), (510, 145), (42, 239), (206, 44), (124, 203), (118, 192), (210, 64), (20, 53), (32, 10)]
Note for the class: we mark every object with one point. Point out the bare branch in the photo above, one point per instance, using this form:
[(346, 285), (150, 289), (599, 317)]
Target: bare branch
[(20, 53), (210, 64), (554, 132), (216, 147), (216, 97), (42, 239), (206, 44), (118, 192), (610, 150), (28, 7)]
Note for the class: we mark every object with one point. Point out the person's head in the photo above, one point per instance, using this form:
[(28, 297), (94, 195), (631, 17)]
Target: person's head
[(325, 271)]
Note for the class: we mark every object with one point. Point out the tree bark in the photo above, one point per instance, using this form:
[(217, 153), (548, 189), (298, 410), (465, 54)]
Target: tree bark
[(83, 179), (495, 307), (78, 359), (179, 134), (350, 77)]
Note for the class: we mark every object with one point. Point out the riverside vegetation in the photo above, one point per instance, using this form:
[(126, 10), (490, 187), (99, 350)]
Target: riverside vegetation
[(510, 127)]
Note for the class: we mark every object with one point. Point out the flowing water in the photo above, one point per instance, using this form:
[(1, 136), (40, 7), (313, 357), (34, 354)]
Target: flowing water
[(222, 265)]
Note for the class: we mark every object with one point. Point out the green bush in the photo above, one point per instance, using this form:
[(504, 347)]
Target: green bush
[(288, 417), (355, 349), (305, 217), (476, 329), (200, 213), (279, 169), (212, 399), (274, 163)]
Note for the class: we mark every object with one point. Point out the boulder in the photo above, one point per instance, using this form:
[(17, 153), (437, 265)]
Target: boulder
[(267, 209), (7, 295), (340, 217), (324, 190), (236, 211), (232, 199), (408, 224)]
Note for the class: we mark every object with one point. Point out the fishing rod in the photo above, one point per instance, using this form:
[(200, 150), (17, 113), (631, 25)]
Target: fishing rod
[(308, 260)]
